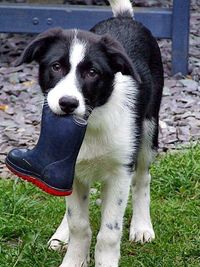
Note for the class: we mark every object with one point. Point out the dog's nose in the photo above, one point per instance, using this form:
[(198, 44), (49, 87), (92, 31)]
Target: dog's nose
[(68, 104)]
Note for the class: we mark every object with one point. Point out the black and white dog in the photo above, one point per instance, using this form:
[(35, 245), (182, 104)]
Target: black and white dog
[(115, 70)]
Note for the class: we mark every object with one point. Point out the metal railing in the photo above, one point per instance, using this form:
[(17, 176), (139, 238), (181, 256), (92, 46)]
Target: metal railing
[(171, 23)]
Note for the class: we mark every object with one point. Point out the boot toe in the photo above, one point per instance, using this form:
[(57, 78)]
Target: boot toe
[(17, 157)]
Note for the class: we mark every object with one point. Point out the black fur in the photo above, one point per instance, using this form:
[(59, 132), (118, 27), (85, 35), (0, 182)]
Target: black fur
[(144, 53)]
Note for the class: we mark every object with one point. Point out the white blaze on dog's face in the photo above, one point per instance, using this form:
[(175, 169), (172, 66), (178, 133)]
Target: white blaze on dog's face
[(77, 68), (68, 88)]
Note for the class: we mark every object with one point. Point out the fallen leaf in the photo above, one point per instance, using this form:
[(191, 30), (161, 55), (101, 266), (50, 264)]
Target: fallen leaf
[(3, 107), (28, 83)]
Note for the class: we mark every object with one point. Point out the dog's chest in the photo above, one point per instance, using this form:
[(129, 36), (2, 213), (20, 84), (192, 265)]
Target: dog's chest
[(105, 148), (98, 157), (111, 134)]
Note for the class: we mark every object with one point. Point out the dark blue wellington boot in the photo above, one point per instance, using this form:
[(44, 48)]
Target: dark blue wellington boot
[(50, 164)]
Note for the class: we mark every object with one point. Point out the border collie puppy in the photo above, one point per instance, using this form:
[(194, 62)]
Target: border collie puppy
[(115, 70)]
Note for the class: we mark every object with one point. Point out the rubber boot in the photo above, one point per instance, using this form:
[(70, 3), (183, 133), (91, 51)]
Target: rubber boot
[(50, 164)]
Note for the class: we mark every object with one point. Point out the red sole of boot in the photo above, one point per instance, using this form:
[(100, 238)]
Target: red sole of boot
[(39, 184)]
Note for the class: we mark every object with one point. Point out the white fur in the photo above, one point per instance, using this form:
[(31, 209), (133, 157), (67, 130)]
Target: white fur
[(109, 139), (69, 86), (141, 229), (119, 6)]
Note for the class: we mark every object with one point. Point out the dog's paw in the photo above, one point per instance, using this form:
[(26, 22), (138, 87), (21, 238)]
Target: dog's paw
[(83, 264), (106, 264), (58, 245), (74, 264), (59, 241), (142, 234)]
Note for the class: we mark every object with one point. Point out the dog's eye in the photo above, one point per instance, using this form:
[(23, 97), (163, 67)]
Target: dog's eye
[(92, 73), (56, 67)]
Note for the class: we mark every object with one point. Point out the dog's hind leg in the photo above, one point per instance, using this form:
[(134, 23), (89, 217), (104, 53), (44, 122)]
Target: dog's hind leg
[(141, 229), (60, 238)]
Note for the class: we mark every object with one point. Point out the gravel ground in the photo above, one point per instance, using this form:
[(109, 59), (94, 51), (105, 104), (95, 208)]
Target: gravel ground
[(21, 100)]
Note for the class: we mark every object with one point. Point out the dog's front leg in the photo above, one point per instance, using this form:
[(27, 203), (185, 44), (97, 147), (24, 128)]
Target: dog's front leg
[(60, 238), (114, 200), (79, 227)]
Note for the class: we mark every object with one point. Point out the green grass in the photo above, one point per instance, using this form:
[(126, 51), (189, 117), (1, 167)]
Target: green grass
[(29, 217)]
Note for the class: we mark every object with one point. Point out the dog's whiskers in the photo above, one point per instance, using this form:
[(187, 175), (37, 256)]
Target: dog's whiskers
[(88, 112)]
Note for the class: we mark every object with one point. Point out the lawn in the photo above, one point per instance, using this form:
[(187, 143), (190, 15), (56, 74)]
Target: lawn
[(29, 217)]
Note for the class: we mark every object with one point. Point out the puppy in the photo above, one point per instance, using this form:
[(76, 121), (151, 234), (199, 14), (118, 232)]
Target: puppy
[(115, 71)]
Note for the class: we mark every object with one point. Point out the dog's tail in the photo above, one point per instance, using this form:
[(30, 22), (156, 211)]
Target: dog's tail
[(121, 8)]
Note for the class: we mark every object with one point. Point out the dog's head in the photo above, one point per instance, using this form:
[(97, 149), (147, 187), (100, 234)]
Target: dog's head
[(77, 68)]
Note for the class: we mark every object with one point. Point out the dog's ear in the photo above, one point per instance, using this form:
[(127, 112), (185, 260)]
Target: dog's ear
[(37, 47), (118, 58)]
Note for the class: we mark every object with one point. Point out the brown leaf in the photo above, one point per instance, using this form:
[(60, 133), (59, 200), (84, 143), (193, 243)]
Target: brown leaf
[(3, 107)]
